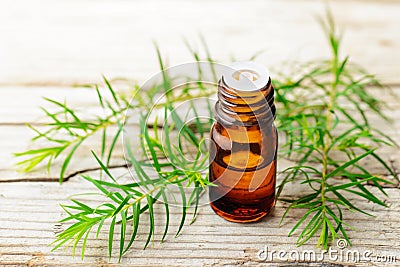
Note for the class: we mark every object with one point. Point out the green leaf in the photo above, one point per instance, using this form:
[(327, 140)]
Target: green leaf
[(184, 208), (351, 184), (111, 237), (349, 163), (100, 97), (114, 141), (84, 244), (99, 228), (349, 204), (165, 200), (151, 218), (123, 232), (114, 95), (305, 216), (67, 160), (135, 224)]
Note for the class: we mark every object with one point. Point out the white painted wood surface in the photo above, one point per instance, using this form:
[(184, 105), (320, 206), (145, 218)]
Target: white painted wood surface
[(47, 46), (64, 42), (29, 214)]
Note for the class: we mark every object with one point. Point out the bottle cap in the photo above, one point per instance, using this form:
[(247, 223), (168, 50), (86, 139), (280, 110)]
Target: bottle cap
[(246, 76)]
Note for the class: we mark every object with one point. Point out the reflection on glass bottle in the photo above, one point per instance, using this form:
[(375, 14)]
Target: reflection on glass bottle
[(244, 145)]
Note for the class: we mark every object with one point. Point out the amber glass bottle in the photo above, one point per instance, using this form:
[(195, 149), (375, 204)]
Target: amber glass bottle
[(243, 145)]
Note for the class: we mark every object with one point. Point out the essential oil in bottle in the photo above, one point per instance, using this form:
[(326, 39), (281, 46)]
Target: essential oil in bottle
[(243, 144)]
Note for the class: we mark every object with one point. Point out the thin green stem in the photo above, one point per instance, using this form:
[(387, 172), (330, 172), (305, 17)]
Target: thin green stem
[(327, 139)]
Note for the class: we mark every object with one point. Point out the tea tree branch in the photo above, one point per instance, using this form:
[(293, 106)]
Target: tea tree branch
[(324, 117), (325, 127)]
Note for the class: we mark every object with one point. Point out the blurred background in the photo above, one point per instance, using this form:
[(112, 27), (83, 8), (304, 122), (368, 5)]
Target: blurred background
[(64, 42)]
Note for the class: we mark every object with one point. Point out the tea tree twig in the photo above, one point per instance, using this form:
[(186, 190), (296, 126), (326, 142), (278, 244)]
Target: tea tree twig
[(323, 115), (321, 124)]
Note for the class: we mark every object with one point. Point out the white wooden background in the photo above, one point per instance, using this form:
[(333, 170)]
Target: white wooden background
[(46, 47)]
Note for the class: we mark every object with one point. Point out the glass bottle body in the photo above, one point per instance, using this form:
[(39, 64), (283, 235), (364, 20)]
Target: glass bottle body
[(243, 155)]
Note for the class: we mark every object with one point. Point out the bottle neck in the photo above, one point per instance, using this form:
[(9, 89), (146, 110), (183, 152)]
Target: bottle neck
[(245, 108)]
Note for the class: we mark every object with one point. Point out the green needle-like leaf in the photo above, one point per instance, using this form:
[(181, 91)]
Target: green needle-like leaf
[(323, 117)]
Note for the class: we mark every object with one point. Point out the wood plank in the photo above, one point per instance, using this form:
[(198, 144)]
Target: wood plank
[(85, 102), (14, 115), (67, 42), (29, 213), (84, 160), (20, 105), (47, 48)]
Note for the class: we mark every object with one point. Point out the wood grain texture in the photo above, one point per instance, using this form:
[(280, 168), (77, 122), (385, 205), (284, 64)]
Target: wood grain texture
[(29, 213), (29, 207), (47, 46), (15, 136), (64, 42)]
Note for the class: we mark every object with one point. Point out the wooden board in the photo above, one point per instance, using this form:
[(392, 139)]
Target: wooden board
[(49, 46), (66, 42), (29, 213), (29, 209), (15, 115)]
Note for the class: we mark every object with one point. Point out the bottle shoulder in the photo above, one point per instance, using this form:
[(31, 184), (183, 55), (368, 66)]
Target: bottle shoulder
[(243, 134), (222, 127)]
